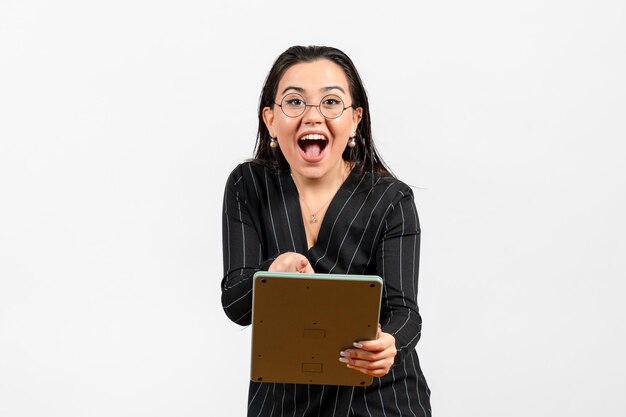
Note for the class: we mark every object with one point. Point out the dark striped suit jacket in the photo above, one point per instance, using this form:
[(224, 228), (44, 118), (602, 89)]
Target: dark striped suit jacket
[(370, 227)]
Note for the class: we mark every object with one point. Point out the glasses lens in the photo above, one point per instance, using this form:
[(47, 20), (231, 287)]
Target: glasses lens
[(331, 106), (293, 105)]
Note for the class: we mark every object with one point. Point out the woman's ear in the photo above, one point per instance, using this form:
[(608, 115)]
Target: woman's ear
[(357, 115), (268, 118)]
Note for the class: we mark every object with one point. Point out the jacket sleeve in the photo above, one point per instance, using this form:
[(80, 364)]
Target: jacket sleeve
[(241, 250), (397, 257)]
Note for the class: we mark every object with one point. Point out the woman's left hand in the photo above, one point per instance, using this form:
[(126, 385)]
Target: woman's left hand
[(372, 357)]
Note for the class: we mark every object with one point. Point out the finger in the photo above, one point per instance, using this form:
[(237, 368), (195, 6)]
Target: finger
[(286, 262), (365, 355), (372, 345), (306, 267), (369, 363), (302, 265), (375, 369), (383, 341), (372, 372)]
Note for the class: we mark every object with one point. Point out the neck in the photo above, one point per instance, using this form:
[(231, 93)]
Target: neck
[(330, 182)]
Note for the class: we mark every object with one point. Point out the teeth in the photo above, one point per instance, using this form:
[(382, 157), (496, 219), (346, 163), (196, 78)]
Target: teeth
[(313, 136)]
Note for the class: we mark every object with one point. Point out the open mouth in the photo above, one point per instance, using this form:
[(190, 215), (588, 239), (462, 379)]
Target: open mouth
[(313, 144)]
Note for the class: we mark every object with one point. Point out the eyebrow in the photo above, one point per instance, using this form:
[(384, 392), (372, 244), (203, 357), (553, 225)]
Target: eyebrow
[(323, 89), (333, 87)]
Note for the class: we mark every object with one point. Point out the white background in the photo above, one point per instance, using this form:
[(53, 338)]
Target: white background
[(120, 121)]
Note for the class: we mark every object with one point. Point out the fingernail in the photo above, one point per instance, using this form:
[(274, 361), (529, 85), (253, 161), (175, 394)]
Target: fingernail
[(344, 353), (357, 345), (344, 360)]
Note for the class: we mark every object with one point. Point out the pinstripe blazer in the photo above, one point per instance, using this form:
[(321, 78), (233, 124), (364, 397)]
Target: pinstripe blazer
[(370, 227)]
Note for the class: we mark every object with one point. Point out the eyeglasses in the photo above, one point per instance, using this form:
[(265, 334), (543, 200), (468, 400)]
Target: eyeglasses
[(294, 105)]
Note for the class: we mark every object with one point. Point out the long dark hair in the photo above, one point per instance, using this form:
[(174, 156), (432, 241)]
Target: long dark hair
[(364, 154)]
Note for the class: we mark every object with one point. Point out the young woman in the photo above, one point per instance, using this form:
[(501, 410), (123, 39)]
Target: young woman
[(318, 198)]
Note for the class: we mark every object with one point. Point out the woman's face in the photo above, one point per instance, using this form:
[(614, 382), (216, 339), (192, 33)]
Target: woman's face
[(311, 143)]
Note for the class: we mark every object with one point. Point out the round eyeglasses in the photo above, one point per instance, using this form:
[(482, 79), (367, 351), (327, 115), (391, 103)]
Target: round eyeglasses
[(294, 105)]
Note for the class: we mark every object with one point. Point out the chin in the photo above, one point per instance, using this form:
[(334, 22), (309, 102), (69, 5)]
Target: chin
[(312, 172), (318, 170)]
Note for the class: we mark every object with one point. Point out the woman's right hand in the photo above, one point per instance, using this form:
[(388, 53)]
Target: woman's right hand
[(291, 262)]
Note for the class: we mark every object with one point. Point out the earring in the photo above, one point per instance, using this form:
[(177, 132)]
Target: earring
[(352, 142), (273, 143)]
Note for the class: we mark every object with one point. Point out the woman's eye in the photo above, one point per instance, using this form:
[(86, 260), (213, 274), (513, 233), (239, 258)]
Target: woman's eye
[(331, 102), (294, 102)]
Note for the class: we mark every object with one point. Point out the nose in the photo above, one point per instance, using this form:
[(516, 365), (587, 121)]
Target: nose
[(312, 114)]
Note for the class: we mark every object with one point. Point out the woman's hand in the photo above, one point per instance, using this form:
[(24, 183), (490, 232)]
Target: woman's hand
[(291, 262), (372, 357)]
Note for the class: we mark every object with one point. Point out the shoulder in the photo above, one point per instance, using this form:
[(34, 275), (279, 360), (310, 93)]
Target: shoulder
[(253, 179), (250, 171), (387, 188), (396, 186), (399, 204)]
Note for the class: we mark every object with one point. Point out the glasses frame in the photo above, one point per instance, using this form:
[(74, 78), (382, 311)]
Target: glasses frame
[(313, 105)]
